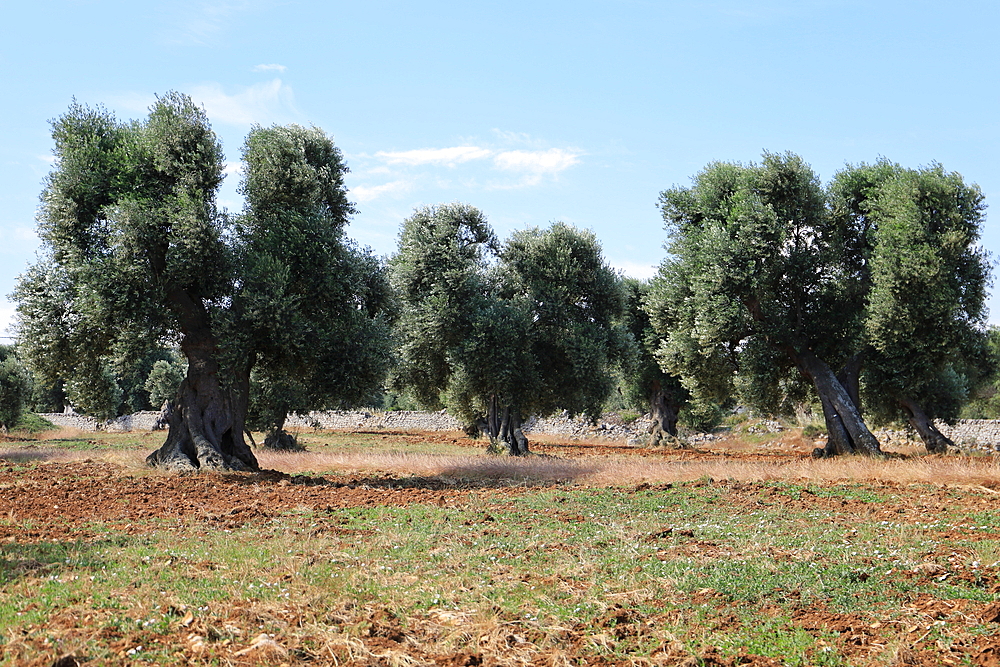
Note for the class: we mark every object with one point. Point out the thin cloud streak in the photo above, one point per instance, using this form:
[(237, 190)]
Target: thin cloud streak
[(266, 102), (202, 22), (365, 193), (443, 156), (523, 168), (551, 161)]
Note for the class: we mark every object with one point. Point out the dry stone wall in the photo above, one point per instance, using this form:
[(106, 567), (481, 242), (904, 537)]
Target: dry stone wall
[(972, 434), (137, 421), (401, 420)]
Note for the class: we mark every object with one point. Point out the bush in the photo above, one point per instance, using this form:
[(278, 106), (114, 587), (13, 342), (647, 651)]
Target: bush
[(164, 380), (15, 390), (32, 423), (701, 415), (628, 417)]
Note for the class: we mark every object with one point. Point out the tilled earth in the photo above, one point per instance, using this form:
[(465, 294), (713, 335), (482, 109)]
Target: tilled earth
[(80, 500)]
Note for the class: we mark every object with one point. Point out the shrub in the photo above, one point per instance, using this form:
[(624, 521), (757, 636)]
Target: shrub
[(32, 423), (628, 417), (15, 390)]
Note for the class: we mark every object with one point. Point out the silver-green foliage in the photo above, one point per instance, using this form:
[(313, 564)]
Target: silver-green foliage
[(138, 258), (530, 325), (769, 273), (15, 387)]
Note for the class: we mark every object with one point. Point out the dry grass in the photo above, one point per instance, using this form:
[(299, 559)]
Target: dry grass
[(910, 467), (954, 470)]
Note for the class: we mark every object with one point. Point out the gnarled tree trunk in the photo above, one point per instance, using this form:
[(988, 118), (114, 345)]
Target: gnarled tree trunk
[(207, 421), (935, 441), (278, 438), (845, 428), (663, 411), (503, 426)]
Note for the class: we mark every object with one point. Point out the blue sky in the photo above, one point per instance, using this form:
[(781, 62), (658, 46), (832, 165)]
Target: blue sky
[(532, 111)]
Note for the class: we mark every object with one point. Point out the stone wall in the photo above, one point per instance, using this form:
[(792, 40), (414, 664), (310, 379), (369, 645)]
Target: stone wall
[(401, 420), (138, 421), (976, 434), (981, 434)]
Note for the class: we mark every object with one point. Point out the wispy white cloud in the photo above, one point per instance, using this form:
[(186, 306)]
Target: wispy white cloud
[(232, 168), (364, 193), (265, 102), (513, 169), (550, 161), (201, 21), (50, 159), (269, 68), (441, 156), (634, 269)]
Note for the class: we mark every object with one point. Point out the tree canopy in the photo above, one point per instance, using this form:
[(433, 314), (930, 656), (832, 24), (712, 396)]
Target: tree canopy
[(139, 256), (15, 387), (646, 386), (499, 332), (878, 276)]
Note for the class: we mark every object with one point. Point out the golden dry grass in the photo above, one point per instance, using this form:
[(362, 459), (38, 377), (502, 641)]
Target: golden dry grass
[(625, 471), (606, 471)]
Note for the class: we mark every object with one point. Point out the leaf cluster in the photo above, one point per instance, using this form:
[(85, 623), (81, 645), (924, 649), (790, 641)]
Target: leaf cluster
[(139, 258), (763, 261), (532, 323)]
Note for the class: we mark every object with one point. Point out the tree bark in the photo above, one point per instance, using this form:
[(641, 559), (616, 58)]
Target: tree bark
[(846, 430), (935, 441), (663, 412), (850, 377), (503, 423), (207, 421), (278, 438)]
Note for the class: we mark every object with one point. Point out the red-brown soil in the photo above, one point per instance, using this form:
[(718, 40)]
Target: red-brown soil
[(65, 501)]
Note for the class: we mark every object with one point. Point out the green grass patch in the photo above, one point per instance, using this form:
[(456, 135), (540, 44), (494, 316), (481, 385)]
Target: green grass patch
[(31, 423), (682, 571)]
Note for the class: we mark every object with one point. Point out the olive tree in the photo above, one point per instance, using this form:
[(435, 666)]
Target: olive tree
[(647, 386), (876, 281), (138, 255), (499, 332), (924, 320)]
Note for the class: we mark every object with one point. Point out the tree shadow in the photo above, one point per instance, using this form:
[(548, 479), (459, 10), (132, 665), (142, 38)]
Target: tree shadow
[(49, 559), (485, 473), (29, 453)]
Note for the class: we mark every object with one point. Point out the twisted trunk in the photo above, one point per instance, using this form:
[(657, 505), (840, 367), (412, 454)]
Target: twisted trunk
[(207, 420), (278, 438), (845, 428), (935, 441), (663, 410), (503, 426)]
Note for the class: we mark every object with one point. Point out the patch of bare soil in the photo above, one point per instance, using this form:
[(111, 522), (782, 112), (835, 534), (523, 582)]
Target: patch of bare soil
[(67, 501), (63, 500)]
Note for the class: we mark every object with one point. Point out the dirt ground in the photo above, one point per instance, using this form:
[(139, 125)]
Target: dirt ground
[(63, 501)]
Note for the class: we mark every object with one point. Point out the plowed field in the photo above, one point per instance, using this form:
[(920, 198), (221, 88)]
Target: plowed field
[(104, 562)]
